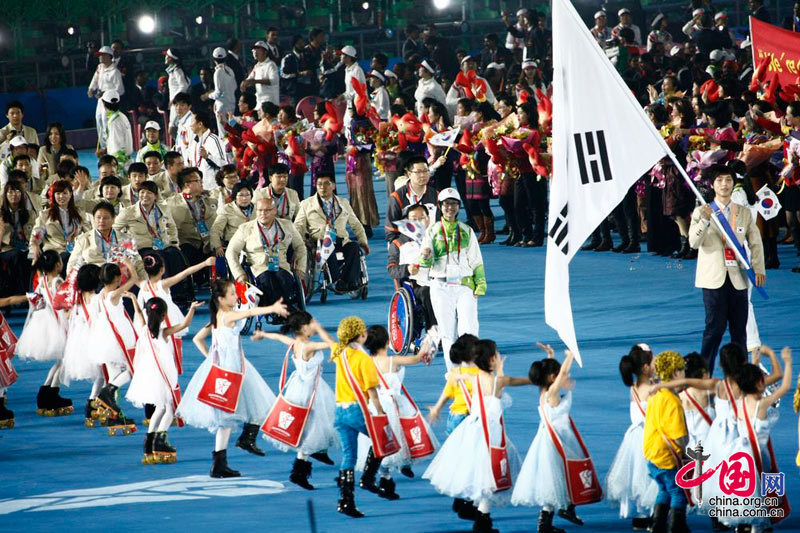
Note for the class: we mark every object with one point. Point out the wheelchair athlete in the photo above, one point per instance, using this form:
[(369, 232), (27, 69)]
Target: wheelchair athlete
[(410, 272), (323, 210), (265, 243)]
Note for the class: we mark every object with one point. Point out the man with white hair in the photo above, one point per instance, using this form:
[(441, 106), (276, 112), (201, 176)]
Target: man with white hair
[(107, 77), (626, 21), (224, 93)]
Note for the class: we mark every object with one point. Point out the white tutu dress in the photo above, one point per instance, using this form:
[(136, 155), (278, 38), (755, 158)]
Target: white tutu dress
[(45, 333), (720, 442), (319, 433), (395, 404), (542, 480), (147, 384), (628, 483), (462, 467), (78, 363), (255, 396), (696, 424), (106, 347), (150, 290)]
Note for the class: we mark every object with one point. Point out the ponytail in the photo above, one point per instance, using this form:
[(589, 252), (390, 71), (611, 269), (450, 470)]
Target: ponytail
[(540, 372), (631, 365), (156, 310)]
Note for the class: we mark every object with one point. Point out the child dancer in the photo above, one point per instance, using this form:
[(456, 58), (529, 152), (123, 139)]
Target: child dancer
[(391, 371), (756, 416), (542, 480), (350, 418), (306, 386), (45, 334), (6, 414), (78, 365), (155, 376), (462, 355), (698, 402), (113, 334), (628, 483), (255, 397), (463, 466)]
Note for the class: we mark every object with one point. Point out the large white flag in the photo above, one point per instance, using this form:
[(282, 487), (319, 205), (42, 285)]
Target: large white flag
[(602, 143)]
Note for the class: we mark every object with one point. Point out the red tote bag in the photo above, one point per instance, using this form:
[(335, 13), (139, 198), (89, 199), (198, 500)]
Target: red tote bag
[(414, 429), (8, 341), (221, 388)]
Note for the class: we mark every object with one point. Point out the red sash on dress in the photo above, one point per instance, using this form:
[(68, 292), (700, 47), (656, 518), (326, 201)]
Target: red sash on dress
[(384, 443), (498, 455), (465, 392), (177, 342), (414, 430), (699, 407), (783, 502), (130, 353), (581, 477), (222, 387), (8, 342), (175, 390), (286, 421)]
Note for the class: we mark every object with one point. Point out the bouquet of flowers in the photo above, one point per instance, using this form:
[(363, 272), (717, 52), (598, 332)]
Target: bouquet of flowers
[(125, 249), (385, 148)]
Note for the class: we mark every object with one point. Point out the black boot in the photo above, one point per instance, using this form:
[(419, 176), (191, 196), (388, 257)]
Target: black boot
[(569, 514), (62, 405), (148, 458), (660, 513), (465, 509), (592, 244), (771, 260), (512, 238), (684, 251), (43, 400), (677, 521), (219, 468), (386, 489), (370, 470), (149, 409), (301, 470), (322, 457), (642, 523), (546, 523), (6, 415), (483, 524), (716, 525), (621, 247), (604, 246), (247, 440), (107, 399), (633, 248), (163, 451), (406, 471), (347, 499)]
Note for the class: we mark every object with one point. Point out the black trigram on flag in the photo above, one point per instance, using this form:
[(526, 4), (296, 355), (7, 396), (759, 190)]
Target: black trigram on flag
[(592, 155), (559, 231)]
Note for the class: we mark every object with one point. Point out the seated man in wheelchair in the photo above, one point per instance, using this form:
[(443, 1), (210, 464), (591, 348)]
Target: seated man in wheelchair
[(326, 212), (264, 243), (403, 254)]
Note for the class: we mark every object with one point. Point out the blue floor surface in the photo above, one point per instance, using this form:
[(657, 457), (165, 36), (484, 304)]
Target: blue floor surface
[(58, 475)]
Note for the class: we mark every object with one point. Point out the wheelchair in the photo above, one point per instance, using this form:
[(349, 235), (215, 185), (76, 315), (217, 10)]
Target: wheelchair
[(406, 324), (319, 279)]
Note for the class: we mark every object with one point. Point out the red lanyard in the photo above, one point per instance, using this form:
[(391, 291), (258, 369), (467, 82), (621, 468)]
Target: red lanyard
[(458, 239), (103, 240), (283, 202), (191, 209), (134, 197), (155, 233), (265, 238)]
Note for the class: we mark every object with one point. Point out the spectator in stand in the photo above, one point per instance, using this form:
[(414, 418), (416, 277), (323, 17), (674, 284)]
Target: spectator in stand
[(515, 40), (224, 93), (692, 27), (708, 39), (264, 76), (178, 82), (233, 48), (272, 48), (721, 25), (791, 21), (55, 142), (413, 45), (331, 74), (142, 99), (492, 53), (428, 87), (202, 91), (759, 11), (313, 56), (296, 73), (106, 78), (659, 33), (15, 112), (601, 32), (626, 21)]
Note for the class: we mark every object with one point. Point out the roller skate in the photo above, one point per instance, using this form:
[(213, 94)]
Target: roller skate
[(63, 406), (149, 458), (45, 405), (6, 415), (93, 417), (120, 426), (163, 451), (106, 401)]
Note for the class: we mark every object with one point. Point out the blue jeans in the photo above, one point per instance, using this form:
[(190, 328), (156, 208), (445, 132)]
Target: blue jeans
[(668, 491), (349, 422), (453, 420)]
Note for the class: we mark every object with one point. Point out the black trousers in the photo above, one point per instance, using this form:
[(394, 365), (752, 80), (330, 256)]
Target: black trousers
[(194, 256), (726, 308), (626, 216), (174, 262), (423, 295), (348, 267), (276, 285), (530, 204), (15, 272)]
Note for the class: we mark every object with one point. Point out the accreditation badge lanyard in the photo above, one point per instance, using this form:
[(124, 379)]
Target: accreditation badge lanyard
[(452, 272), (158, 243), (70, 239), (199, 222), (282, 203), (112, 239), (730, 256), (246, 213), (270, 249)]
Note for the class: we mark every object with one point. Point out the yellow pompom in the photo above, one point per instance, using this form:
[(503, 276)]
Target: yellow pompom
[(349, 329), (667, 363)]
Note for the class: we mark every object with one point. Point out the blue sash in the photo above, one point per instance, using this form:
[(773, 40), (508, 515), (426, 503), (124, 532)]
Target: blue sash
[(726, 226)]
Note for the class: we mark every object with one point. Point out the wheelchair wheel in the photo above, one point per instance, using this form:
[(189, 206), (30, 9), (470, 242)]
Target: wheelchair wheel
[(401, 322)]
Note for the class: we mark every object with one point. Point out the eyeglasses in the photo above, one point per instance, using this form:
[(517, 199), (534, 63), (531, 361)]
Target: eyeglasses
[(192, 181), (420, 171)]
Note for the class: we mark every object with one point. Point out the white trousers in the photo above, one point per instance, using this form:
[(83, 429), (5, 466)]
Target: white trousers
[(100, 119), (753, 338), (456, 310)]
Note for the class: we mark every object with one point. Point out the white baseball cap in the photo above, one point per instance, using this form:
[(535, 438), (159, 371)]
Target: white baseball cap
[(599, 14), (219, 53), (496, 66), (349, 50), (528, 63), (468, 58), (427, 66), (261, 44), (152, 125), (105, 50), (449, 194), (376, 74), (389, 74), (698, 12), (623, 11), (170, 53), (111, 97), (19, 140), (720, 15)]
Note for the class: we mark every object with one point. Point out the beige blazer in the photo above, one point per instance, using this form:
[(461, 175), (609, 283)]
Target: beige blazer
[(46, 157), (87, 252), (131, 224), (710, 245), (291, 195), (185, 223), (54, 232), (163, 180), (311, 222), (229, 218), (5, 232), (247, 239)]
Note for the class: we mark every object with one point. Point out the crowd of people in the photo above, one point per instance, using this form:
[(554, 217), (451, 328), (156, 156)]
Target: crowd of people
[(215, 197)]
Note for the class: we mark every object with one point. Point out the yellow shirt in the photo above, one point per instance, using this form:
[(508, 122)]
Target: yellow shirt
[(453, 390), (362, 367), (664, 419)]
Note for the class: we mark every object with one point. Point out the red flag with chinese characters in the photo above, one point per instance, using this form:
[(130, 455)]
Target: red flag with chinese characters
[(783, 46)]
